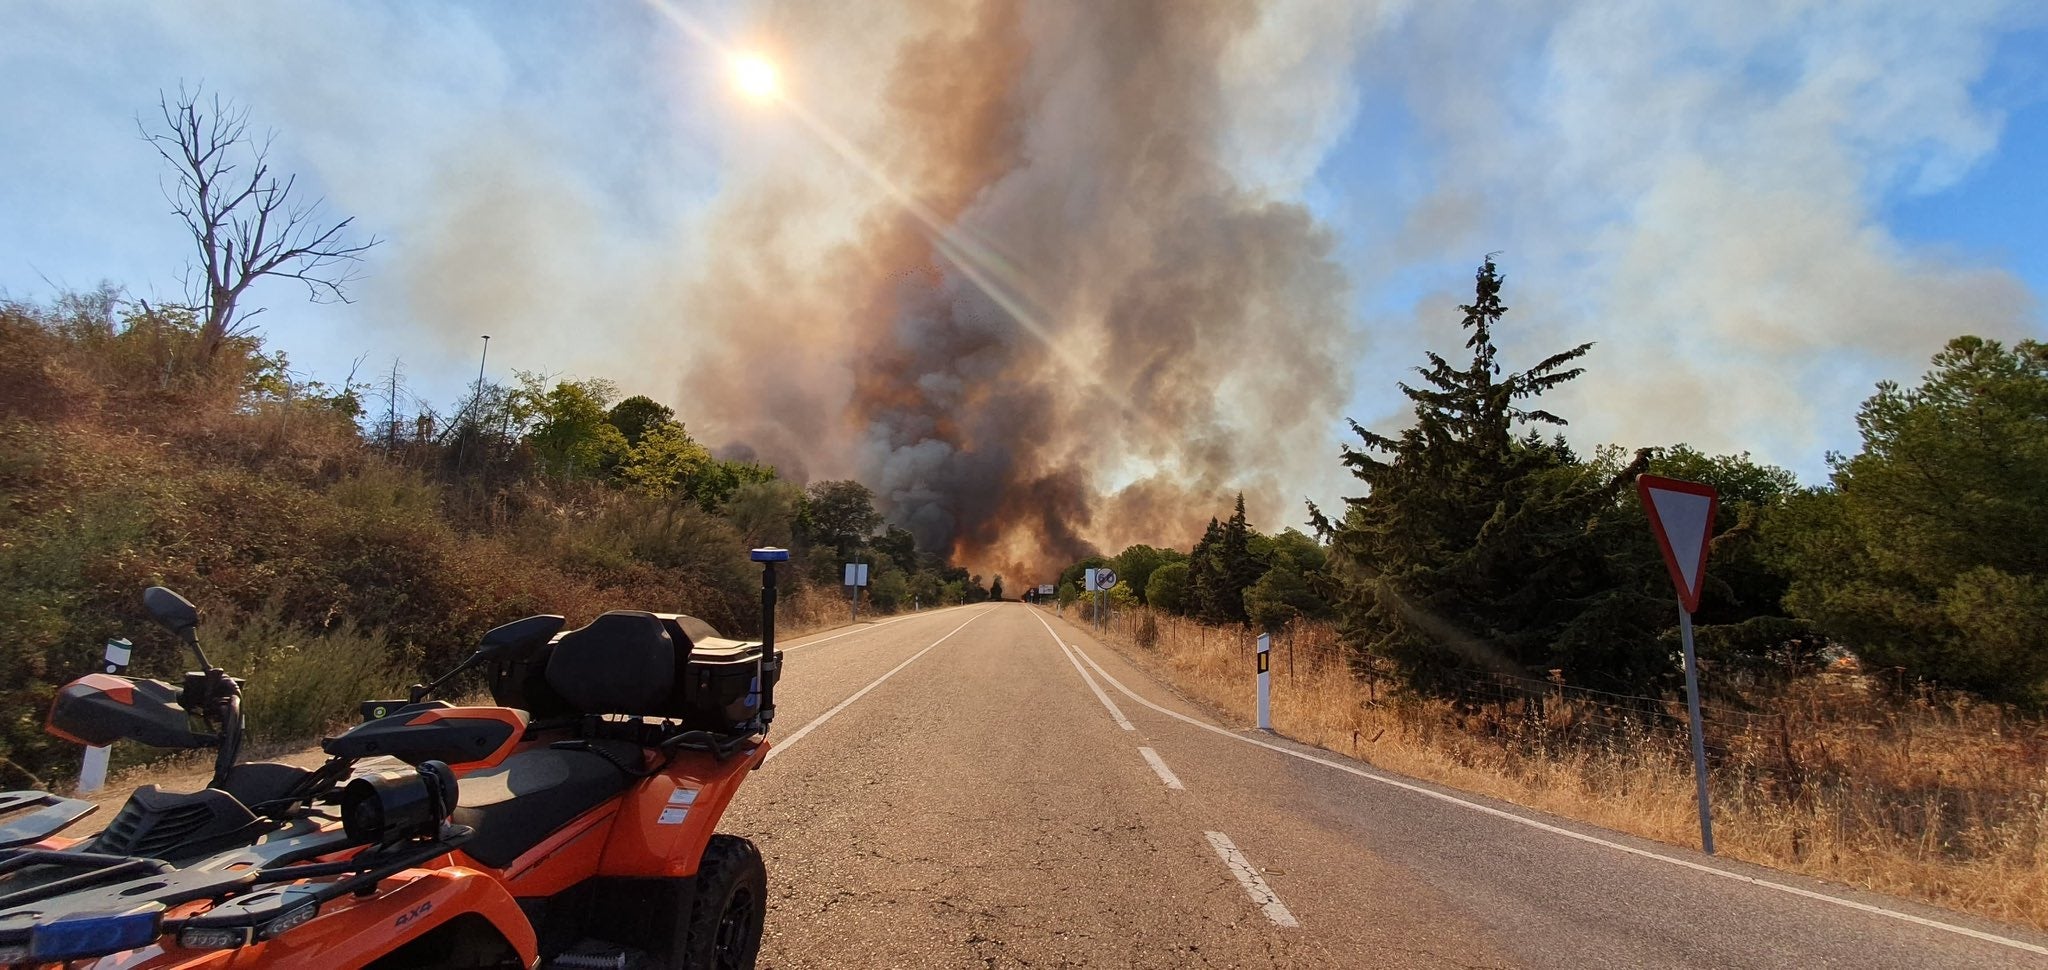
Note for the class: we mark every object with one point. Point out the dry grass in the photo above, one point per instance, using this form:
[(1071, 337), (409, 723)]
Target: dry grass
[(1939, 799)]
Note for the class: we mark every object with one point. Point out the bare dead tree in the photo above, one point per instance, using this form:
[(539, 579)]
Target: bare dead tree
[(244, 219)]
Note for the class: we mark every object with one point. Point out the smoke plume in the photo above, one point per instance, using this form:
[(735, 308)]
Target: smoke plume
[(1068, 324)]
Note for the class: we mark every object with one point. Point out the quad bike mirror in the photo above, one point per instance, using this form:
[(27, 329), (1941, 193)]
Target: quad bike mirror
[(519, 636), (513, 641), (174, 612)]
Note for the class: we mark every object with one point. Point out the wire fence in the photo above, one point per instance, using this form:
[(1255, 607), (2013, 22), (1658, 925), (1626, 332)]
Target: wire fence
[(1528, 714)]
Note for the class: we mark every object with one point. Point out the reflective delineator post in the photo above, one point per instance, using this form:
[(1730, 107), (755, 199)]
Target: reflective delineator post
[(92, 774), (1265, 682)]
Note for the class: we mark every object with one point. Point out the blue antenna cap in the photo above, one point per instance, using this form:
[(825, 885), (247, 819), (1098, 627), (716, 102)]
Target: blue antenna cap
[(770, 554)]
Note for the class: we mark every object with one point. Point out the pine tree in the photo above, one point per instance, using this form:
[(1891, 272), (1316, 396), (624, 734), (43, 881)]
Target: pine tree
[(1205, 579), (1471, 547), (1240, 569)]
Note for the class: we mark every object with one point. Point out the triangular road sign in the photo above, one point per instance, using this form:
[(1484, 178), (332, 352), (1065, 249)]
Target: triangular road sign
[(1682, 517)]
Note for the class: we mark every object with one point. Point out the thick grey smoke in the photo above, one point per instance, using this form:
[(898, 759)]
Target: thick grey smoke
[(1108, 331)]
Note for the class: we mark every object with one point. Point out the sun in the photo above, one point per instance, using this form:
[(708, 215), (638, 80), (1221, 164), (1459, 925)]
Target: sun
[(756, 77)]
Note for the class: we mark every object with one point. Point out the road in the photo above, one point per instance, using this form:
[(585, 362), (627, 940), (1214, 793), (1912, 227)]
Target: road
[(951, 789)]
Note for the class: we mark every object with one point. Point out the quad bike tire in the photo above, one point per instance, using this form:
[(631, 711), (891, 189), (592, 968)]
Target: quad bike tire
[(728, 909)]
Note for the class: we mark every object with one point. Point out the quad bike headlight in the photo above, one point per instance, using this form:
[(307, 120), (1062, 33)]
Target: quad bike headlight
[(391, 806)]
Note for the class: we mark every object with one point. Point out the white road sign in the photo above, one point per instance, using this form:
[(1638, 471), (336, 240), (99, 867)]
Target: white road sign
[(856, 574)]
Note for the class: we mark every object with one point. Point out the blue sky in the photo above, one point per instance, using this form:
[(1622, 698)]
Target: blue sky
[(1755, 211)]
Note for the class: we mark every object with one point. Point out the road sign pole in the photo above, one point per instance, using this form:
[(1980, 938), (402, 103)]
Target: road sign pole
[(1699, 740), (92, 773), (1265, 682)]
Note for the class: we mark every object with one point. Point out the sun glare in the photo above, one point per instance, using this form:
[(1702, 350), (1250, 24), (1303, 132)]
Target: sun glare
[(756, 77)]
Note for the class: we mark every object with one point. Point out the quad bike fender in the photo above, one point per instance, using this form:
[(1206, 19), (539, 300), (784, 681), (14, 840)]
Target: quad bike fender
[(353, 932), (666, 821), (563, 859)]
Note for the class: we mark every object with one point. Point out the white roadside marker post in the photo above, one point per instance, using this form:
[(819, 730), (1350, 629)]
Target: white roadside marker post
[(1682, 517), (1266, 682), (92, 773)]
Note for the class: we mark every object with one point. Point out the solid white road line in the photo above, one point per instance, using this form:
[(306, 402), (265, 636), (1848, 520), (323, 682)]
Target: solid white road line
[(1568, 833), (1114, 711), (1249, 878), (1165, 774), (784, 744)]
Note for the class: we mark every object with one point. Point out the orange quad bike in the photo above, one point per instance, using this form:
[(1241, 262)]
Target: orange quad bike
[(570, 825)]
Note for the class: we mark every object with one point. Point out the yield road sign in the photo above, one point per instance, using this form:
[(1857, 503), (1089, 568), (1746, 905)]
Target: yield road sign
[(1682, 517)]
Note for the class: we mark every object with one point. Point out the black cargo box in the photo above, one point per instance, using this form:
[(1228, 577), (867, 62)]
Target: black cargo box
[(719, 689), (716, 684)]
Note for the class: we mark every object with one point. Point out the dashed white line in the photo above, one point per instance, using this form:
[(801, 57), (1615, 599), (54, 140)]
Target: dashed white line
[(1248, 877), (1568, 833), (784, 745), (1165, 774), (1114, 712)]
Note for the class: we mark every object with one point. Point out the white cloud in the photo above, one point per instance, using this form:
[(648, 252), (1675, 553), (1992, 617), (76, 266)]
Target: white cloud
[(1698, 188)]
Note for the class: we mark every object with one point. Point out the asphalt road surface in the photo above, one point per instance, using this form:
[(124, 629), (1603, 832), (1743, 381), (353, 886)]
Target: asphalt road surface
[(989, 786)]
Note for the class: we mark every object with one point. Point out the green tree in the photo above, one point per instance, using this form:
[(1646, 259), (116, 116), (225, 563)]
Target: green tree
[(1928, 551), (1472, 546), (1238, 567), (665, 460), (1135, 565), (995, 588), (715, 482), (925, 587), (765, 512), (1167, 589), (1078, 572), (889, 590), (1206, 576), (900, 546), (840, 514), (1069, 592), (571, 437), (1287, 589), (637, 415)]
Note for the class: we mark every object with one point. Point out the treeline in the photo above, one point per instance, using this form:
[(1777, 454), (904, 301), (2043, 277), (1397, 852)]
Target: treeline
[(342, 541), (1483, 544), (569, 435)]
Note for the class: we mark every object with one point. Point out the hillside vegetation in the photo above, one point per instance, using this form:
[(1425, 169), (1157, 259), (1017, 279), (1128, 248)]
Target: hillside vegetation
[(334, 564)]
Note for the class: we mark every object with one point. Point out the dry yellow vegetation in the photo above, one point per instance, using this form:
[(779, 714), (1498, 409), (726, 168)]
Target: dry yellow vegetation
[(1938, 798)]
